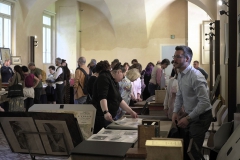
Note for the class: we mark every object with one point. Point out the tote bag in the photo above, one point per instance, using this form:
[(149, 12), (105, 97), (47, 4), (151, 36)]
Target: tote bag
[(16, 90)]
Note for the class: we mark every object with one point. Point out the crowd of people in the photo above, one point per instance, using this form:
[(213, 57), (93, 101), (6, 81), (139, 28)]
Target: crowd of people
[(113, 87)]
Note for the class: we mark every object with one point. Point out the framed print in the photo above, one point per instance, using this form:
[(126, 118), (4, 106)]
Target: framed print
[(13, 127), (54, 144), (5, 54), (16, 60)]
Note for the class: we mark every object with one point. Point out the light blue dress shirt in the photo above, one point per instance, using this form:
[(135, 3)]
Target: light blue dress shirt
[(125, 88), (193, 93)]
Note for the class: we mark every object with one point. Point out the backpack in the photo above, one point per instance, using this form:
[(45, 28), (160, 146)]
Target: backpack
[(44, 77), (87, 76)]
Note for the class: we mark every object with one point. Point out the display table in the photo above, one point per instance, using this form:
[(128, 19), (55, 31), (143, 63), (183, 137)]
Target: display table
[(101, 150)]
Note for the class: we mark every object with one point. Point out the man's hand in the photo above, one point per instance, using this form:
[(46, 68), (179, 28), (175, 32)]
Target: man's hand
[(174, 117), (183, 123), (108, 117)]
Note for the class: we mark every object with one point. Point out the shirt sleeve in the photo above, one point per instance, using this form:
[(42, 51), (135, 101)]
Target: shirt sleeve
[(139, 86), (205, 75), (38, 72), (158, 76), (178, 101), (102, 87), (78, 75), (200, 89)]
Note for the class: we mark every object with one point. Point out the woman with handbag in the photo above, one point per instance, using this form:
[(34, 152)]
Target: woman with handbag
[(15, 91), (29, 86)]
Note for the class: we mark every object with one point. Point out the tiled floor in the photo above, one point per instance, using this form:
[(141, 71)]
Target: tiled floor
[(7, 154)]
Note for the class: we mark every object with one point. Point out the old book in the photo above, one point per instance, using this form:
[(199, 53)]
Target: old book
[(145, 132), (164, 149), (160, 96)]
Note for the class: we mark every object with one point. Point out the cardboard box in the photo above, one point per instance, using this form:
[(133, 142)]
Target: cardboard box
[(160, 96), (164, 149)]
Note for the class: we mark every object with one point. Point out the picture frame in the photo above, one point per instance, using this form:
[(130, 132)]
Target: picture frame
[(55, 144), (5, 54), (13, 127), (16, 60), (65, 124)]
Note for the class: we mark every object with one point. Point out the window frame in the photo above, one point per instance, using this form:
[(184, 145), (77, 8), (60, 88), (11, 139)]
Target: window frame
[(51, 35), (9, 17)]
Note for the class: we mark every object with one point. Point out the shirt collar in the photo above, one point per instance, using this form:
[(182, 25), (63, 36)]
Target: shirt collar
[(189, 67)]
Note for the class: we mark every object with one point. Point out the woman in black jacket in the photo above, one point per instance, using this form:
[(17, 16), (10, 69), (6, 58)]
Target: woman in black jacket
[(106, 95)]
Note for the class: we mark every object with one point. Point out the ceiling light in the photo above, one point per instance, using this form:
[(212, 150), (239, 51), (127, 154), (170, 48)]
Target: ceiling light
[(221, 2)]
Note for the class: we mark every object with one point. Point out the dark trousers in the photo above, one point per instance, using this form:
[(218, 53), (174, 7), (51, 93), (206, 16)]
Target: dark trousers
[(37, 95), (28, 103), (196, 129), (60, 93), (151, 88)]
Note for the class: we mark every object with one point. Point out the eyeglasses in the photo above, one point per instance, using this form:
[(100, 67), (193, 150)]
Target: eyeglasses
[(177, 56)]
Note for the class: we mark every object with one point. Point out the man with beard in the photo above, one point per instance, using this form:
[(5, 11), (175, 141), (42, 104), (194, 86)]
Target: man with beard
[(193, 96)]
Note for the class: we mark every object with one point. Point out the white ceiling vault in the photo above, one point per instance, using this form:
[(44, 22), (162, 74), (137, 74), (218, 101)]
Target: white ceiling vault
[(139, 14)]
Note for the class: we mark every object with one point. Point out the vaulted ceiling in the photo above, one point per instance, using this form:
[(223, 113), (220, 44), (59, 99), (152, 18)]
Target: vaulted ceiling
[(116, 10)]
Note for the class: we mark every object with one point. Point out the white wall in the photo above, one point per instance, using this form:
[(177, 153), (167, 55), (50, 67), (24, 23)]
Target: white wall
[(195, 18), (66, 31)]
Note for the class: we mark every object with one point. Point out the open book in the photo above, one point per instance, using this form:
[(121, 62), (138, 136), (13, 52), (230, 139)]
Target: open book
[(126, 123), (127, 136)]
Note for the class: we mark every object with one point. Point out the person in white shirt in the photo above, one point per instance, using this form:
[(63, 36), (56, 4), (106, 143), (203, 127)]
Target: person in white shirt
[(59, 80), (51, 86), (193, 96)]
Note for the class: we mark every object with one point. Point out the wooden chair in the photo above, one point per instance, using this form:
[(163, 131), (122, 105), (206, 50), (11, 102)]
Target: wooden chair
[(214, 108), (219, 138), (230, 150), (221, 117)]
